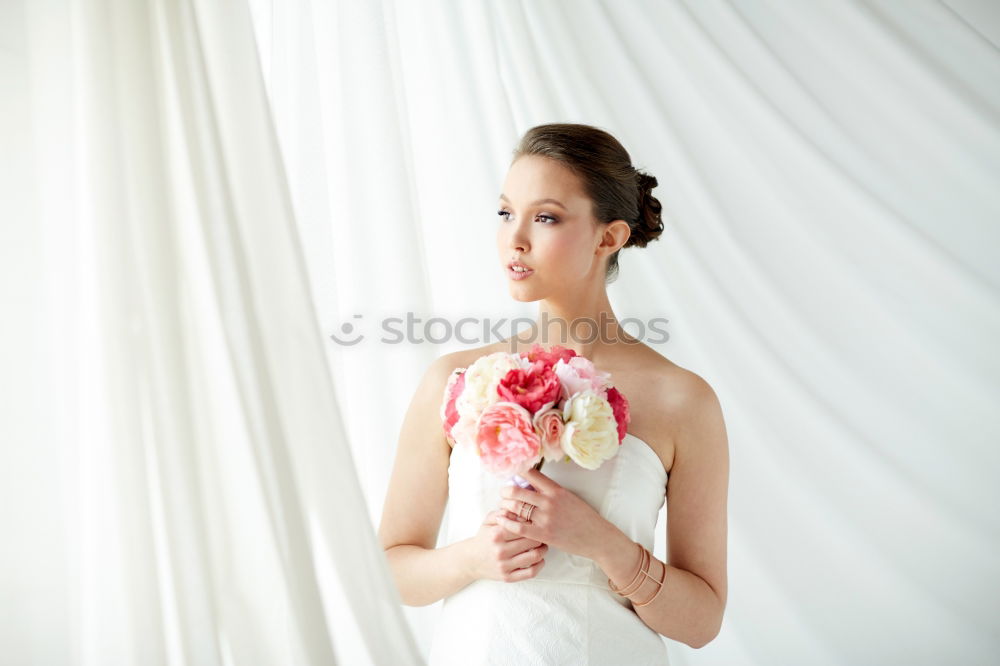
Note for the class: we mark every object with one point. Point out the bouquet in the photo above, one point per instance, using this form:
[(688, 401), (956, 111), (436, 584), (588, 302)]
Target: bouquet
[(517, 411)]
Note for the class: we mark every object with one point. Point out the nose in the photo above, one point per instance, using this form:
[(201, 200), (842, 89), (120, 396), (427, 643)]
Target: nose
[(518, 238)]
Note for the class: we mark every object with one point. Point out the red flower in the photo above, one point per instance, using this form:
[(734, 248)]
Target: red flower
[(530, 388), (548, 358), (454, 388), (619, 407)]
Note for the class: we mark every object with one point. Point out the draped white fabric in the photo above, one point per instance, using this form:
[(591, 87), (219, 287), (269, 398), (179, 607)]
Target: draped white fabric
[(175, 465), (192, 468)]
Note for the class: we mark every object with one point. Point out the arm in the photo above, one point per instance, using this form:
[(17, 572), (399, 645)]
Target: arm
[(416, 499), (692, 602), (425, 575)]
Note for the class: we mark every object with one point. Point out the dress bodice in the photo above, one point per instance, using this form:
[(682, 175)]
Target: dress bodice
[(566, 614), (628, 490)]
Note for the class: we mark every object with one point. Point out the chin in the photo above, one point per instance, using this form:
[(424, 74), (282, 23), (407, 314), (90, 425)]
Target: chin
[(523, 295)]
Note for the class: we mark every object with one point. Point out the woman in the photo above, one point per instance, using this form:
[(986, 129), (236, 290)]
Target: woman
[(530, 575)]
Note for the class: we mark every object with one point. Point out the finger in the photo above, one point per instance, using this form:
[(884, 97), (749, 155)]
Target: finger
[(527, 572), (514, 507), (508, 535), (528, 557), (524, 494), (491, 517), (493, 520), (521, 544), (538, 479), (515, 527), (511, 508)]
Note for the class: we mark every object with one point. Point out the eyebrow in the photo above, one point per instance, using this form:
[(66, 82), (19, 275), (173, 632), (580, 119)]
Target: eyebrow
[(540, 201)]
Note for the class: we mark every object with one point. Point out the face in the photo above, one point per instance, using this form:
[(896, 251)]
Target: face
[(545, 221)]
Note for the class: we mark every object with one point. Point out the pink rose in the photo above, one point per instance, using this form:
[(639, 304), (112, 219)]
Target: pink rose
[(506, 439), (549, 425), (579, 374), (464, 431), (529, 388), (619, 407), (449, 414)]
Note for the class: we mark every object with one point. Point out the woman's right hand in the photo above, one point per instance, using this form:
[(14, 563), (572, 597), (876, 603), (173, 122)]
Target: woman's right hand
[(497, 554)]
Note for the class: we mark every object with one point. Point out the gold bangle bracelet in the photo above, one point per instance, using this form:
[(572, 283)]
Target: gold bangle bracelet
[(659, 583), (637, 577)]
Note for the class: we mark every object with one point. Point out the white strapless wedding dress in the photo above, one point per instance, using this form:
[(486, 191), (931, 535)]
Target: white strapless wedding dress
[(566, 614)]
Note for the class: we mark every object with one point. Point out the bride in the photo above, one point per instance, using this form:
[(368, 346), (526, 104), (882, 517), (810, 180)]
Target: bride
[(563, 572)]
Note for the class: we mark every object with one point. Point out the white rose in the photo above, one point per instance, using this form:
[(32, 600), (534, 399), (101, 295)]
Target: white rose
[(591, 433), (481, 381)]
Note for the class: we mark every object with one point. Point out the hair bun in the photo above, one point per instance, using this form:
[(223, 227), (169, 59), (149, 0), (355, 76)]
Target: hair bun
[(649, 224)]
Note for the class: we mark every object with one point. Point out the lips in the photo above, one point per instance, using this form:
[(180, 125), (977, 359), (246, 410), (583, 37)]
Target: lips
[(519, 274)]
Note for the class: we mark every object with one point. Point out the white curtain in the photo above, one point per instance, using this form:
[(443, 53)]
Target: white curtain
[(193, 467), (178, 488)]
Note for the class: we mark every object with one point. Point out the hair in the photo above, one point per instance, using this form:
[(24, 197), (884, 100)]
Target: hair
[(617, 189)]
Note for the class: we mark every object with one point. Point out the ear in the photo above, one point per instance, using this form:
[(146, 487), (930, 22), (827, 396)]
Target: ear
[(614, 235)]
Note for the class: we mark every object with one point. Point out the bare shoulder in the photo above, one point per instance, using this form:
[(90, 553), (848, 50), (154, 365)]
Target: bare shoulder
[(463, 358), (688, 401), (683, 394), (674, 407), (441, 368)]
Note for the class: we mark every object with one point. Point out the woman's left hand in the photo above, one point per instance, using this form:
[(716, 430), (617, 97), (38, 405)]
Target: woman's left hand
[(560, 517)]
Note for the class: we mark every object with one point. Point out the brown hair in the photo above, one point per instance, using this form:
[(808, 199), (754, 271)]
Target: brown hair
[(619, 190)]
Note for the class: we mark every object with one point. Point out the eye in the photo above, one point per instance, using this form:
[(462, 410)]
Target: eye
[(551, 220)]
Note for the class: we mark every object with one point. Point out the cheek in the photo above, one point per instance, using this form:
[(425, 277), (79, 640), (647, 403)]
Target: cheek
[(502, 247), (570, 253)]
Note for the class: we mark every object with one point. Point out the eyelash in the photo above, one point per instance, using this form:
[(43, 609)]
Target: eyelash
[(501, 213)]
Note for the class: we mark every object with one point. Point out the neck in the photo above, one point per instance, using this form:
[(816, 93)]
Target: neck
[(582, 322)]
